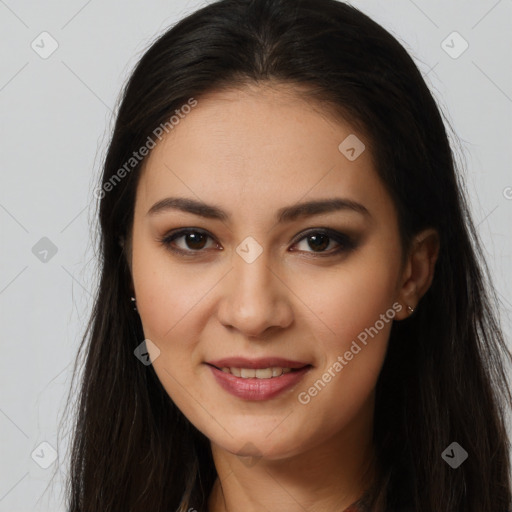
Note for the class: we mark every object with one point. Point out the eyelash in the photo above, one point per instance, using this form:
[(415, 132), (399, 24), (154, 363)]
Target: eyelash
[(346, 243)]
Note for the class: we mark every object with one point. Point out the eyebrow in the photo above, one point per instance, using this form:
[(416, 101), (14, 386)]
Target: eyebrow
[(286, 214)]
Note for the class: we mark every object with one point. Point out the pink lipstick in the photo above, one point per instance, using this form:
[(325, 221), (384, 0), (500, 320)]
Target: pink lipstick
[(257, 379)]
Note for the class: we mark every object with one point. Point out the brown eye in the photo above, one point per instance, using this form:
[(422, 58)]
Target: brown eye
[(195, 241), (191, 241), (320, 241)]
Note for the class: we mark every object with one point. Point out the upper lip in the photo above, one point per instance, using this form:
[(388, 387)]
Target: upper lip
[(262, 362)]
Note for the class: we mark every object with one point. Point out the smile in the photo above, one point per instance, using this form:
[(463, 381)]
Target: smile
[(258, 384), (260, 373)]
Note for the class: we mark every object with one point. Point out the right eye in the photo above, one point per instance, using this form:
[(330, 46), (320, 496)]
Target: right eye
[(193, 241)]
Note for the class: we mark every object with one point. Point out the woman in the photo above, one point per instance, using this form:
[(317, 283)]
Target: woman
[(293, 311)]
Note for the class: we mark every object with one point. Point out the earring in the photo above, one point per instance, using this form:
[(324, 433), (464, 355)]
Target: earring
[(134, 304), (410, 310)]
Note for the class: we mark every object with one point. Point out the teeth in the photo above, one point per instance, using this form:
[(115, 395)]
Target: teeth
[(260, 373), (245, 373), (276, 372), (263, 373), (235, 371)]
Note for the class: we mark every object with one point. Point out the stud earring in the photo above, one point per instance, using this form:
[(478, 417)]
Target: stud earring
[(410, 310), (134, 303)]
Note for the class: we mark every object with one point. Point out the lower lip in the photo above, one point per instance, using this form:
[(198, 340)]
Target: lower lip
[(258, 389)]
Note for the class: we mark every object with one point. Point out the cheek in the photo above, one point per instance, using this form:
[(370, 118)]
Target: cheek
[(167, 293), (168, 299), (353, 315), (168, 302), (351, 297)]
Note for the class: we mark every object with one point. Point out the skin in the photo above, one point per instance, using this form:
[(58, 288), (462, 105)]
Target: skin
[(251, 151)]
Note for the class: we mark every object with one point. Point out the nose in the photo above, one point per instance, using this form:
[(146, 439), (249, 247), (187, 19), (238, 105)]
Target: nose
[(255, 298)]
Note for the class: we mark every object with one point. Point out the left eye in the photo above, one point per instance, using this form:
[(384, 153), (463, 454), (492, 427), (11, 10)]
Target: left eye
[(194, 241), (319, 241)]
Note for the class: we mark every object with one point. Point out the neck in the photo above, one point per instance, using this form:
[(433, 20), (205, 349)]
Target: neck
[(332, 475)]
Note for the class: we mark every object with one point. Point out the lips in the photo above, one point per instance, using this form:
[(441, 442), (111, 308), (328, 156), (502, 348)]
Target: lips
[(254, 388), (260, 363)]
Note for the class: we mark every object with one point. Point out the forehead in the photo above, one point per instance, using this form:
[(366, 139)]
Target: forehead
[(254, 147)]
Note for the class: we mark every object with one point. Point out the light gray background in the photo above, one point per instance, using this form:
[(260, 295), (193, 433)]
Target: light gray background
[(56, 114)]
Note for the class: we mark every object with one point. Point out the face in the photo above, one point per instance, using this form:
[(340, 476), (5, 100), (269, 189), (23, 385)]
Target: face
[(256, 275)]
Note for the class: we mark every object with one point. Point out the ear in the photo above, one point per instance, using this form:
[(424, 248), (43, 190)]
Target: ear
[(418, 271)]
